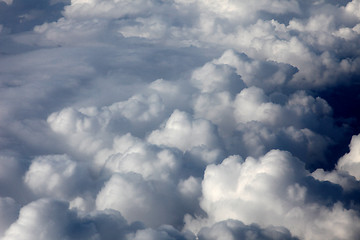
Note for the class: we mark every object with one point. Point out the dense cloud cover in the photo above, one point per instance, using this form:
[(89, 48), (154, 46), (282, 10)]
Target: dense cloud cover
[(179, 119)]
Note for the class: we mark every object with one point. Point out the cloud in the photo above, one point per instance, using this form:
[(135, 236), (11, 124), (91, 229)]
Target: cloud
[(18, 15), (182, 132), (346, 172), (46, 218), (8, 214), (273, 190), (40, 220), (179, 119), (56, 176), (8, 2), (262, 121), (140, 200), (130, 154), (10, 172), (232, 229), (350, 161)]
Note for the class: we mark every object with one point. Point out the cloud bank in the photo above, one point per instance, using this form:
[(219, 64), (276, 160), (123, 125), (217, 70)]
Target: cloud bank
[(179, 119)]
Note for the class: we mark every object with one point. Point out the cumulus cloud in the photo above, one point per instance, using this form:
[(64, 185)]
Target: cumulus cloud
[(181, 132), (42, 219), (262, 120), (350, 161), (179, 119), (273, 190), (346, 172), (130, 154), (56, 176), (46, 218), (141, 200)]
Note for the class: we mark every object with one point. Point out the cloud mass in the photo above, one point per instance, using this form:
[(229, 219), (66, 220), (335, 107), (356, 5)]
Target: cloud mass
[(179, 119)]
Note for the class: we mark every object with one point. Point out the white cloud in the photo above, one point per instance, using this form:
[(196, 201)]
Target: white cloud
[(91, 128), (215, 77), (56, 176), (271, 191), (110, 9), (350, 162), (43, 219), (130, 154), (353, 8), (50, 219), (141, 200), (251, 105), (186, 134), (118, 111), (346, 172)]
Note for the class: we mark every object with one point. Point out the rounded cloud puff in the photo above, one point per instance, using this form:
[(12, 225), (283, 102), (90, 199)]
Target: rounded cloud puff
[(50, 219), (130, 154), (56, 176), (273, 190), (350, 162), (141, 200), (186, 134), (346, 172), (44, 219)]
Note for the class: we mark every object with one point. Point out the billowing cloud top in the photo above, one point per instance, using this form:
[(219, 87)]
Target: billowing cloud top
[(179, 119)]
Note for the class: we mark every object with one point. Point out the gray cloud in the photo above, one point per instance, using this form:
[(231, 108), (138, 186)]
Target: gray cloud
[(232, 229), (46, 218)]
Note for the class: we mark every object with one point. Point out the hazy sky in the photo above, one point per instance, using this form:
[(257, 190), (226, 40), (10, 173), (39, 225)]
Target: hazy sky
[(179, 119)]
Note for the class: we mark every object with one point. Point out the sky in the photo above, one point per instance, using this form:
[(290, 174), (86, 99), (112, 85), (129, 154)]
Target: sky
[(179, 119)]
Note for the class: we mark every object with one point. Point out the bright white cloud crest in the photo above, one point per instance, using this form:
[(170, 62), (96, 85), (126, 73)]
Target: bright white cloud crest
[(179, 119)]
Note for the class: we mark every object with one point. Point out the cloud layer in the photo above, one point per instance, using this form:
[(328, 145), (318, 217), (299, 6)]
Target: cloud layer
[(179, 119)]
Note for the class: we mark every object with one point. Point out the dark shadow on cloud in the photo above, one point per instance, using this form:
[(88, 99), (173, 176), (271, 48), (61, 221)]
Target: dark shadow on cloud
[(345, 102), (108, 224), (52, 219), (234, 229), (23, 15), (323, 192)]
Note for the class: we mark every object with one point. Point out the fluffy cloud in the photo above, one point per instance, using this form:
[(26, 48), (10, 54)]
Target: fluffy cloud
[(46, 218), (141, 200), (186, 134), (130, 154), (43, 219), (346, 172), (350, 162), (117, 116), (56, 176), (273, 190), (90, 127), (262, 121)]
